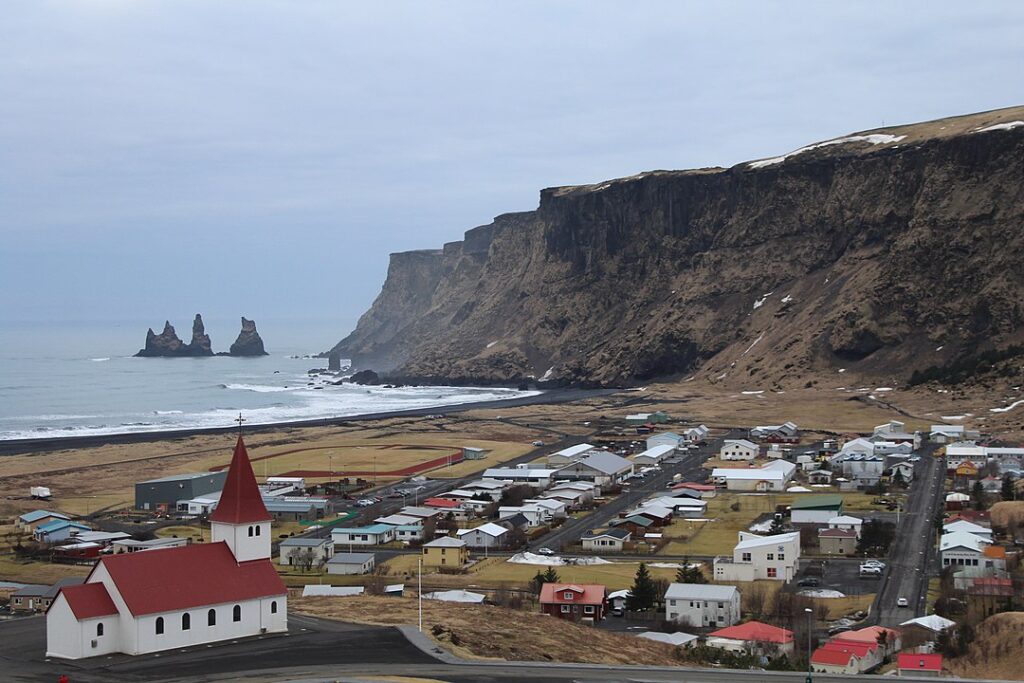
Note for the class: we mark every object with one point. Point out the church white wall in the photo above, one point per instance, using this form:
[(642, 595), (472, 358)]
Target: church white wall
[(72, 639), (256, 615), (244, 546)]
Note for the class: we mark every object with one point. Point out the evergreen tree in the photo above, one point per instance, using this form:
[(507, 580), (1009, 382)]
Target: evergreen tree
[(777, 527), (643, 594), (688, 573), (978, 493), (551, 576), (1007, 492)]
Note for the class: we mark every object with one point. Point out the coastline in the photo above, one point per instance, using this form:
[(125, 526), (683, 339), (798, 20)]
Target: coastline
[(43, 444)]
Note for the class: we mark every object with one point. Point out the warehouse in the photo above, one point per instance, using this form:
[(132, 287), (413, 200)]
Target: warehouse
[(165, 492)]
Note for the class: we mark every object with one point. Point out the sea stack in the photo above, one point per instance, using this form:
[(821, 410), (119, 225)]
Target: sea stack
[(249, 342), (168, 345)]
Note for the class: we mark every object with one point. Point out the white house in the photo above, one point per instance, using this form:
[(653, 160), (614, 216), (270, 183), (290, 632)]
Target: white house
[(611, 539), (553, 505), (600, 467), (786, 430), (492, 488), (130, 545), (902, 470), (654, 455), (846, 523), (697, 434), (665, 439), (293, 550), (893, 448), (761, 557), (351, 563), (702, 605), (738, 449), (946, 433), (859, 446), (570, 454), (970, 554), (374, 534), (962, 525), (863, 470), (774, 476), (489, 535), (536, 477), (536, 515), (139, 603)]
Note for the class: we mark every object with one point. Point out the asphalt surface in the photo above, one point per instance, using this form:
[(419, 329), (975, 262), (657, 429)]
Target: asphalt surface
[(912, 558)]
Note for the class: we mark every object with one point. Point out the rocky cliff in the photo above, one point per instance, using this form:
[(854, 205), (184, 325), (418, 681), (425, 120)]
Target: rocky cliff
[(167, 343), (879, 253), (248, 342)]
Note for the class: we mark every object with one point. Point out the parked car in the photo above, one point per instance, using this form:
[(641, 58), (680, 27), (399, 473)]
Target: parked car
[(873, 563), (902, 602), (809, 581), (538, 443), (545, 551), (365, 502)]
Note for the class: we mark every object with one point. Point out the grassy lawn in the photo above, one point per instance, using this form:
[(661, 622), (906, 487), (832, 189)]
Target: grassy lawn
[(86, 505), (196, 533), (37, 572), (719, 536)]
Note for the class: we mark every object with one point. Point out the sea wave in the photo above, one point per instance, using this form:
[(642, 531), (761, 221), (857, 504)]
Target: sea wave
[(168, 412), (98, 360), (258, 388)]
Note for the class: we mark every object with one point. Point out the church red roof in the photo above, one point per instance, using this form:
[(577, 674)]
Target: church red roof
[(240, 501), (196, 575), (89, 600)]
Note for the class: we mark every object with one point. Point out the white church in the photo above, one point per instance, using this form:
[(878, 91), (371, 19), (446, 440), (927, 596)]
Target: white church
[(137, 603)]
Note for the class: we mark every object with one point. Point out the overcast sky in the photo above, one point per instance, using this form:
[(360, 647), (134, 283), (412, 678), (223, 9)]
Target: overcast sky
[(159, 158)]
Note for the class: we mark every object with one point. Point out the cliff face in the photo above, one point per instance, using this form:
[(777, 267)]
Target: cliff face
[(881, 253)]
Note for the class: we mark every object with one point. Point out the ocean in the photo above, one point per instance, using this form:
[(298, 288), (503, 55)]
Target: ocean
[(80, 379)]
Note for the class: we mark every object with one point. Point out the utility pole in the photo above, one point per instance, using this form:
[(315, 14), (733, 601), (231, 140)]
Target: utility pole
[(419, 589), (809, 611)]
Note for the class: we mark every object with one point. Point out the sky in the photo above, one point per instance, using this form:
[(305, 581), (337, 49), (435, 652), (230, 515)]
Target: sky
[(163, 157)]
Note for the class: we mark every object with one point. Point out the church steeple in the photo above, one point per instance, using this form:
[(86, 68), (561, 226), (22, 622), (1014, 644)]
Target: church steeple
[(241, 519)]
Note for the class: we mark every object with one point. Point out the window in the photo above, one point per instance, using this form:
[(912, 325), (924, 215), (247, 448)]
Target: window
[(211, 618), (745, 557), (99, 629), (567, 595), (250, 532), (273, 606), (772, 573), (721, 605), (257, 530), (771, 556), (186, 621), (565, 609), (672, 603), (236, 613), (588, 609), (782, 556), (159, 626)]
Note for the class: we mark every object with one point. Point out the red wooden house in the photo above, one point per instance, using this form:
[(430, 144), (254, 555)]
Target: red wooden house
[(574, 601)]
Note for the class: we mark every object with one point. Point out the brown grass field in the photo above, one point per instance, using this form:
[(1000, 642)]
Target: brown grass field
[(489, 632), (996, 650)]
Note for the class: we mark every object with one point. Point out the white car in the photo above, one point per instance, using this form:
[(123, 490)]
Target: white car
[(545, 551), (902, 602), (365, 502), (914, 458), (873, 563)]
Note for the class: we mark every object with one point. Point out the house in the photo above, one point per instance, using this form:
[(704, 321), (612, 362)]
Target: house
[(374, 534), (847, 523), (910, 664), (445, 552), (36, 598), (569, 455), (572, 500), (492, 488), (601, 467), (574, 602), (903, 471), (787, 432), (702, 605), (858, 446), (697, 434), (835, 661), (837, 541), (637, 525), (658, 417), (58, 530), (536, 515), (774, 476), (447, 506), (956, 501), (130, 545), (946, 433), (31, 520), (761, 557), (652, 510), (398, 519), (738, 449), (819, 476), (552, 505), (893, 448), (677, 639), (165, 492), (654, 455), (960, 548), (680, 506), (610, 539), (351, 563), (888, 640), (536, 477), (140, 603), (705, 490), (293, 551), (515, 522), (489, 535), (895, 430), (962, 525), (665, 439), (816, 510), (103, 538), (408, 533), (924, 629), (863, 469), (755, 638)]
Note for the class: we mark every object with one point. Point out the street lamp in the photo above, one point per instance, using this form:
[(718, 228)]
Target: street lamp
[(809, 611)]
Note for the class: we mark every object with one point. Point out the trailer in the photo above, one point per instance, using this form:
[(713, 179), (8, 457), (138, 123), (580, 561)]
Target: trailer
[(40, 492)]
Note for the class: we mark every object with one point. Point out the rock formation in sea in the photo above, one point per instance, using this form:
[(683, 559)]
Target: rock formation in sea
[(168, 345), (249, 342), (875, 255)]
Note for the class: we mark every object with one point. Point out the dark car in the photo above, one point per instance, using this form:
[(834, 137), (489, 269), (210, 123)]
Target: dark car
[(809, 581)]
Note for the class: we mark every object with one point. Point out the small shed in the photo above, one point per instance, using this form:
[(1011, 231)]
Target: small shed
[(351, 563)]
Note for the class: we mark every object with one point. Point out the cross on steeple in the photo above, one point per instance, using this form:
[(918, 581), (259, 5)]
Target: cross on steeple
[(239, 420)]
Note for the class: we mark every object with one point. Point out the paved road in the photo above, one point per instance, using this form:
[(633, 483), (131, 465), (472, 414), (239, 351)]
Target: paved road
[(911, 559), (690, 468)]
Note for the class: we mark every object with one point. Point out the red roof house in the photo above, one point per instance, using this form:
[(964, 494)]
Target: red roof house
[(872, 635), (444, 503), (574, 601), (835, 661), (753, 637), (910, 664)]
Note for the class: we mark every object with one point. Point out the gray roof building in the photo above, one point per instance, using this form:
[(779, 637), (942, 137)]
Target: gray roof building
[(167, 491)]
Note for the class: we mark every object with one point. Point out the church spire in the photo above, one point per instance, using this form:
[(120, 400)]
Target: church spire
[(240, 501)]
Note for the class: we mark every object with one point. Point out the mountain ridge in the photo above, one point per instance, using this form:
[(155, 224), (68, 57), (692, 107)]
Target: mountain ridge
[(878, 253)]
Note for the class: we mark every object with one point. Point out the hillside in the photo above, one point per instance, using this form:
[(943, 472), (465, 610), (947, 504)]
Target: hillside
[(996, 650), (490, 632), (880, 253)]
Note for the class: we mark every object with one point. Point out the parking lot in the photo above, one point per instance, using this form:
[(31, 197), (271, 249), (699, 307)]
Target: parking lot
[(838, 574)]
